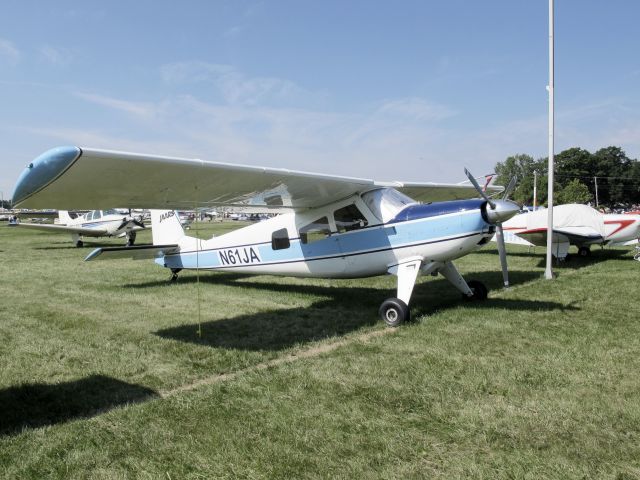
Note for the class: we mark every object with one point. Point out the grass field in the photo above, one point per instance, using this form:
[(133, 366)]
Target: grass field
[(107, 371)]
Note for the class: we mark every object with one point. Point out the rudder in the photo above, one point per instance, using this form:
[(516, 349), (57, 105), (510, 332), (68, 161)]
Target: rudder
[(165, 227), (64, 217)]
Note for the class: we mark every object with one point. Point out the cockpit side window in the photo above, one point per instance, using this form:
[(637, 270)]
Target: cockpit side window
[(316, 230), (89, 216), (280, 239), (97, 214), (349, 218)]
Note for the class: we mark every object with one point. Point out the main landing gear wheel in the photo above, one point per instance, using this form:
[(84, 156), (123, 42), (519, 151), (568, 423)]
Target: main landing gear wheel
[(131, 239), (584, 252), (79, 244), (479, 290), (394, 311), (174, 274)]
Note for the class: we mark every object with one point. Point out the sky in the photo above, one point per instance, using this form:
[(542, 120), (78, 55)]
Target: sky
[(411, 90)]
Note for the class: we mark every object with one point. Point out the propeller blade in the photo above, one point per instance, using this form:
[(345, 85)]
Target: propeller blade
[(509, 190), (477, 187), (138, 223), (503, 254)]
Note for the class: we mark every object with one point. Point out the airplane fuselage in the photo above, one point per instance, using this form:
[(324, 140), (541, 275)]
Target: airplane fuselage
[(435, 233)]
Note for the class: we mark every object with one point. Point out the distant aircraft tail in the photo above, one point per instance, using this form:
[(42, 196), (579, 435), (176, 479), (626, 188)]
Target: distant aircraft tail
[(64, 217), (166, 228)]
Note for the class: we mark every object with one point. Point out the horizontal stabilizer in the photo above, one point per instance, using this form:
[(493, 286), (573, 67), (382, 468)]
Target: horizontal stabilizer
[(137, 252)]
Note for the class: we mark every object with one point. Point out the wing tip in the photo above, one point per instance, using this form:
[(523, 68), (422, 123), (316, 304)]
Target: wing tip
[(42, 171)]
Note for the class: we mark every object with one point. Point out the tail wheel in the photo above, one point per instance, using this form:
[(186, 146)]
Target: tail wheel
[(479, 290), (394, 311)]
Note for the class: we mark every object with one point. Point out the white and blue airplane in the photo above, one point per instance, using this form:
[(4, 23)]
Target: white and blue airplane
[(95, 223), (329, 226)]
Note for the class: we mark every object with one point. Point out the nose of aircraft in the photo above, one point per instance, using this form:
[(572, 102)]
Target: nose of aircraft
[(502, 211)]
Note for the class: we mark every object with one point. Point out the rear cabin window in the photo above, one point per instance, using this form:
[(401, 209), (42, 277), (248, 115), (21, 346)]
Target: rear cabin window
[(316, 230), (280, 239), (349, 218), (97, 214)]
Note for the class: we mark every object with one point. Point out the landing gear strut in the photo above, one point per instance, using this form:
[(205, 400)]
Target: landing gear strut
[(394, 311)]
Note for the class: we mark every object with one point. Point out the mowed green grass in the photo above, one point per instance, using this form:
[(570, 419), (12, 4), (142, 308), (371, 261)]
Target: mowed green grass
[(108, 371)]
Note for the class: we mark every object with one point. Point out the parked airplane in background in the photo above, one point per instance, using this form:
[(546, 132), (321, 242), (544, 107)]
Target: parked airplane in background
[(96, 223), (335, 227), (573, 224)]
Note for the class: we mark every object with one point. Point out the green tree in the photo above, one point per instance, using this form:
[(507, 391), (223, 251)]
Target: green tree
[(618, 176), (522, 167), (615, 170), (574, 192)]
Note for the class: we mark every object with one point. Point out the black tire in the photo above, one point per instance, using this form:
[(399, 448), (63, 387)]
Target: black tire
[(393, 312), (131, 239), (584, 252), (479, 290), (79, 244)]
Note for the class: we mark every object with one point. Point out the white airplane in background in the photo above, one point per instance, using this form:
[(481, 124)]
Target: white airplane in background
[(96, 223), (573, 224), (334, 227)]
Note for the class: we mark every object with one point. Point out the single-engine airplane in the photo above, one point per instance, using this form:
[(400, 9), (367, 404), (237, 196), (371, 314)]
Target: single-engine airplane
[(330, 226), (96, 223), (574, 224)]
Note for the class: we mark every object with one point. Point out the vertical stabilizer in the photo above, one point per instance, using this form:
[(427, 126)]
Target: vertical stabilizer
[(165, 227), (64, 217)]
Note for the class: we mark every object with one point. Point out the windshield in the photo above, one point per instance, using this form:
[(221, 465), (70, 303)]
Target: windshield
[(385, 203)]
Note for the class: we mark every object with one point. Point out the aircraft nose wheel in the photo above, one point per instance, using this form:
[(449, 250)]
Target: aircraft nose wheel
[(394, 311)]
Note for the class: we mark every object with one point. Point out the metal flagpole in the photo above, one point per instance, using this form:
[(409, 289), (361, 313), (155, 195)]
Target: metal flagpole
[(535, 190), (548, 273)]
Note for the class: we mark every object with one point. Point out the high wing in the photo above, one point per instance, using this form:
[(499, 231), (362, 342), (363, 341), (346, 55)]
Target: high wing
[(73, 177), (87, 232)]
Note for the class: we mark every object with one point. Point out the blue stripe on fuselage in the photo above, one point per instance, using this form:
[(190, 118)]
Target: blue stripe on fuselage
[(427, 210), (460, 219)]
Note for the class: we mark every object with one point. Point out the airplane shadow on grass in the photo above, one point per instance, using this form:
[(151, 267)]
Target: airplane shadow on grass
[(342, 310), (573, 261), (36, 405)]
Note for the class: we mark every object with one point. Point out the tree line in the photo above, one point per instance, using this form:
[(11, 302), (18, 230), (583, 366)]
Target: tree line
[(606, 178)]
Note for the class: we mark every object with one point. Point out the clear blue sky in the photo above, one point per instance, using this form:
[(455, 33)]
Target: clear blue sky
[(407, 90)]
